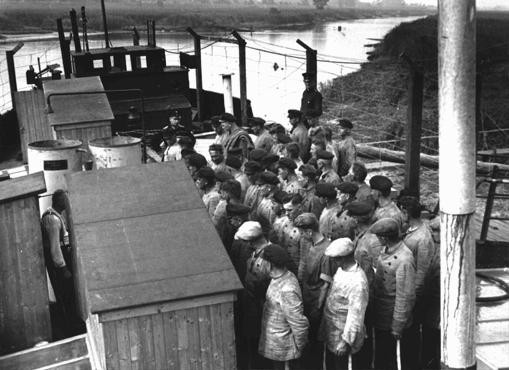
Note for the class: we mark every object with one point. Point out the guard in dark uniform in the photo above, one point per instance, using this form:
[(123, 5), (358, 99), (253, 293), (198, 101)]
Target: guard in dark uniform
[(311, 102)]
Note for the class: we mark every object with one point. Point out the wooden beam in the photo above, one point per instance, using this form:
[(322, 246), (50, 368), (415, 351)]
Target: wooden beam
[(457, 180), (199, 84), (11, 69), (243, 77), (22, 187)]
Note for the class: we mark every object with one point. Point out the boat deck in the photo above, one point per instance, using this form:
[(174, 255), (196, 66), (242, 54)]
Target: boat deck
[(493, 325)]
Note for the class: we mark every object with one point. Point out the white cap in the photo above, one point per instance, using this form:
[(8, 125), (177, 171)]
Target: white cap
[(249, 230), (339, 248)]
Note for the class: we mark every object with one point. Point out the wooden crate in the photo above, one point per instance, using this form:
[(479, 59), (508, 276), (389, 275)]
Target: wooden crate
[(155, 283), (24, 305), (79, 117)]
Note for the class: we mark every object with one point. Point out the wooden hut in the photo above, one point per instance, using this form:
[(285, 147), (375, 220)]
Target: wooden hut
[(24, 305), (78, 117), (155, 284)]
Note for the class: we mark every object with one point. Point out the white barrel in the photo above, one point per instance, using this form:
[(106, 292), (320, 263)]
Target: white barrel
[(55, 158), (116, 151)]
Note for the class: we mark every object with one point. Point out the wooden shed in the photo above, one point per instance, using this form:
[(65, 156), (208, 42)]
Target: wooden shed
[(24, 305), (78, 117), (155, 284)]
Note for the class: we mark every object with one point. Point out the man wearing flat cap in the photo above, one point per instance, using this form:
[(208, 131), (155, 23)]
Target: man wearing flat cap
[(381, 193), (268, 208), (357, 175), (310, 202), (237, 137), (253, 270), (313, 265), (221, 137), (253, 170), (284, 327), (394, 291), (206, 182), (175, 123), (194, 162), (311, 101), (345, 146), (217, 158), (287, 175), (229, 193), (324, 164), (328, 196), (299, 132), (263, 139), (257, 155), (236, 215), (342, 327)]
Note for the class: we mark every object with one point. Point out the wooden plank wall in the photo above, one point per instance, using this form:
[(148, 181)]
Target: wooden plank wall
[(33, 122), (83, 131), (187, 339), (24, 306)]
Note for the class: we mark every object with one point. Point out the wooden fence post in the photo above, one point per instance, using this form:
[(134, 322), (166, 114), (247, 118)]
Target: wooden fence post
[(199, 83), (242, 77), (457, 78), (311, 61), (11, 70)]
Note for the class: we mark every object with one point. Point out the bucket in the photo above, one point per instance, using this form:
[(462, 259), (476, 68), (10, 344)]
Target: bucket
[(116, 151), (55, 158)]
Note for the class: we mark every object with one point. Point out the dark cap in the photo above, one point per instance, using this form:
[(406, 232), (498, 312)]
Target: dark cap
[(172, 112), (306, 220), (235, 209), (348, 188), (325, 190), (268, 178), (256, 121), (308, 75), (308, 170), (284, 139), (323, 154), (385, 227), (235, 151), (287, 163), (197, 160), (214, 120), (280, 196), (186, 152), (233, 162), (223, 176), (345, 123), (216, 148), (360, 208), (294, 113), (381, 183), (228, 117), (269, 159), (257, 155), (206, 173), (251, 167), (277, 129), (276, 255)]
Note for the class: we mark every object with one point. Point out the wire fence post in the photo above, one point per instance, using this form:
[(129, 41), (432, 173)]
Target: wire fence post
[(242, 77), (199, 82), (311, 61), (11, 69)]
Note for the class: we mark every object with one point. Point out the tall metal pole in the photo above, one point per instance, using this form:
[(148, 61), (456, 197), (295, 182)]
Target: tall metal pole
[(105, 25), (199, 84), (75, 30), (457, 77), (242, 77), (64, 49)]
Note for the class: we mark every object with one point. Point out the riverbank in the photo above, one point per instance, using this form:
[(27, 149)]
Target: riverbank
[(15, 21)]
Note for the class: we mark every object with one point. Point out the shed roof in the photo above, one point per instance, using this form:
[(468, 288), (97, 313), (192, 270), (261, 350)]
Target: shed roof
[(73, 109), (143, 236)]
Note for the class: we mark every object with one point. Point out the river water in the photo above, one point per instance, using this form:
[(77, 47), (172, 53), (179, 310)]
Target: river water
[(274, 64)]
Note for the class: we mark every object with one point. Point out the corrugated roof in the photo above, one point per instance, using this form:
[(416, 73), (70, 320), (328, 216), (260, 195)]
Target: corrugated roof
[(144, 236)]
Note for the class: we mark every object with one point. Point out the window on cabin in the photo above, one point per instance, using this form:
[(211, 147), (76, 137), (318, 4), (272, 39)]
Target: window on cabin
[(143, 61), (98, 64), (128, 66)]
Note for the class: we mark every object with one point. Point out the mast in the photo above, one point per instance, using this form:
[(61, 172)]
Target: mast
[(105, 25), (457, 102)]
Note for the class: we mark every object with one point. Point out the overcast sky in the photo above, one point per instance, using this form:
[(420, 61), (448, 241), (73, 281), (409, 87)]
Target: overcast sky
[(480, 3)]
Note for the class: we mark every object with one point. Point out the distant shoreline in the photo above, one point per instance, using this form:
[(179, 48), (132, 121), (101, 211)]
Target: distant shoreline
[(26, 24)]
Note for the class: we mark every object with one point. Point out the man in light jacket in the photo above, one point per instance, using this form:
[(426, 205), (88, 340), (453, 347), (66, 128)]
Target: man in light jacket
[(284, 327)]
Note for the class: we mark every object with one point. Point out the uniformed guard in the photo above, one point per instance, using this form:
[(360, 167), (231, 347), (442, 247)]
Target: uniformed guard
[(328, 196), (310, 202), (381, 187), (311, 101), (284, 327), (313, 263), (394, 291), (288, 177), (324, 163), (342, 328), (346, 146), (299, 132), (263, 139), (175, 123)]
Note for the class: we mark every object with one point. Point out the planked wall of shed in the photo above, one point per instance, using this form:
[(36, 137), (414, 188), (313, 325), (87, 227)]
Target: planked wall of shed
[(24, 306), (83, 131), (199, 337), (32, 121)]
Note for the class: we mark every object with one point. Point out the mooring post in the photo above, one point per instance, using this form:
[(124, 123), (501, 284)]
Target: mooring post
[(242, 77), (457, 102), (311, 60), (414, 128), (64, 49), (199, 83), (11, 70)]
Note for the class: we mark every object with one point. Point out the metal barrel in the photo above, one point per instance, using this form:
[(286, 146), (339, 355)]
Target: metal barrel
[(116, 151)]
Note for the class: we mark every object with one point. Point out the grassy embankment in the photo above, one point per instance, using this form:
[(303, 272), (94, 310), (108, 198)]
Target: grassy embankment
[(23, 18)]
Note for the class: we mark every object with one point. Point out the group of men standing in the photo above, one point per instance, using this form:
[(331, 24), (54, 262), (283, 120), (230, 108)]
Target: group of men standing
[(334, 269)]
